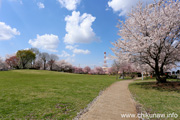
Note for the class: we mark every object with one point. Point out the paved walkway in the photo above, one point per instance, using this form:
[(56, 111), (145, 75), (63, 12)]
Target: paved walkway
[(114, 101)]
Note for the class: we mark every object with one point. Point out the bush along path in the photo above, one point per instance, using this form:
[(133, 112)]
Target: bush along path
[(115, 103)]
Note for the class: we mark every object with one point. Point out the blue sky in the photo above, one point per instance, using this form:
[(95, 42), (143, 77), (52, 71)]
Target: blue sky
[(79, 31)]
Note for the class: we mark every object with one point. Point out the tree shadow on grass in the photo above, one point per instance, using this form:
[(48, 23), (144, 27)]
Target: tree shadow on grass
[(169, 86)]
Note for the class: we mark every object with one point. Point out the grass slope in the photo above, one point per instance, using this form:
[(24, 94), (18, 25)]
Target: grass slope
[(31, 94), (157, 99)]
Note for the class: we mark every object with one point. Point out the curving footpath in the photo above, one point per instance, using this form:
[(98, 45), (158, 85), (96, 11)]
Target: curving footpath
[(114, 102)]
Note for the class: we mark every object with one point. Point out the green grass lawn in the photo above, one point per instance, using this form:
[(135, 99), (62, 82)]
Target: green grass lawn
[(32, 94), (160, 99)]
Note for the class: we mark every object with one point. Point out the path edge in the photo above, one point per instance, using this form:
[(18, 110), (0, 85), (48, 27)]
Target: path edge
[(86, 109), (139, 107)]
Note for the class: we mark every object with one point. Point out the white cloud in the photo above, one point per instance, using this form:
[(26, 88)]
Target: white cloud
[(64, 54), (47, 42), (69, 4), (124, 6), (6, 32), (40, 5), (67, 56), (70, 47), (77, 51), (79, 28), (81, 51)]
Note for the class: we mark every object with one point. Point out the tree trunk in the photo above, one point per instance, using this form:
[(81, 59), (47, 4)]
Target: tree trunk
[(123, 74), (162, 71), (23, 66), (44, 65), (51, 67), (159, 78), (116, 75)]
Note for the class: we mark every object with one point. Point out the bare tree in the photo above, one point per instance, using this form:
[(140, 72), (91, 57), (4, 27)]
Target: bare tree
[(116, 67), (37, 53), (44, 57)]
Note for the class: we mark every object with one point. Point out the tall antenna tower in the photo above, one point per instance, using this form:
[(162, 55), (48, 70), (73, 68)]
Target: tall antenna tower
[(105, 61)]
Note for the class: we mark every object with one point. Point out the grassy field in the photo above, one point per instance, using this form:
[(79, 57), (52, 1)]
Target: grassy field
[(31, 94), (159, 99)]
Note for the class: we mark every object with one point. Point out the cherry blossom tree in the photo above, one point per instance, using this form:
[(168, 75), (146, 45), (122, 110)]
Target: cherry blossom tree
[(122, 66), (78, 70), (38, 64), (150, 35), (52, 59), (99, 70), (116, 67), (64, 66), (3, 65), (86, 69), (111, 71), (92, 72)]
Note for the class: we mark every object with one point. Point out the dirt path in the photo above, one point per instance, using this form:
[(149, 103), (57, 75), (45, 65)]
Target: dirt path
[(115, 101)]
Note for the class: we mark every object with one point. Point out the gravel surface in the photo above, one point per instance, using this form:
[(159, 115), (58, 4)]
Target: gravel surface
[(114, 101)]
